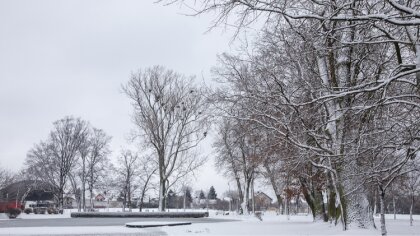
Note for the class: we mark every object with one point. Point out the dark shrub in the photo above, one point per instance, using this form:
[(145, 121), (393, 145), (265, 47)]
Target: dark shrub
[(52, 210), (13, 212), (28, 210)]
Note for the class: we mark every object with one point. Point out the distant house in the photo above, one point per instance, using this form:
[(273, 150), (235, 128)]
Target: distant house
[(100, 198), (212, 201), (262, 201), (27, 190)]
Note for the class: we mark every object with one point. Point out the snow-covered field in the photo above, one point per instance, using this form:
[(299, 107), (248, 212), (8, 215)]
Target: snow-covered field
[(247, 225)]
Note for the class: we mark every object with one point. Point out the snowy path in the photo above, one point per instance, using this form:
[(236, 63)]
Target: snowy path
[(72, 222), (272, 225)]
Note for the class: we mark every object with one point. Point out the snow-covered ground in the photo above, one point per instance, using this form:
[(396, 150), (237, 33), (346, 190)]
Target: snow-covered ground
[(247, 225)]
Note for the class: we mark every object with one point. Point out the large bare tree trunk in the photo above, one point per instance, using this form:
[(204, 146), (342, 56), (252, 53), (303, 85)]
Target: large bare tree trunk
[(274, 186), (240, 193), (61, 200), (162, 193), (245, 202), (382, 209)]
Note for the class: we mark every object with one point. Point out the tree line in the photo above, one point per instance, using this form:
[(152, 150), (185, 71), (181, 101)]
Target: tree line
[(325, 100), (326, 95)]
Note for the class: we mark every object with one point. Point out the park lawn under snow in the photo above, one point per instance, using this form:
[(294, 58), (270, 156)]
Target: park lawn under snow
[(247, 225)]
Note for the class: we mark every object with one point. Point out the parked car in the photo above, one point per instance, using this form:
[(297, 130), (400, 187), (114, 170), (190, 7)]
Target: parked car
[(44, 207)]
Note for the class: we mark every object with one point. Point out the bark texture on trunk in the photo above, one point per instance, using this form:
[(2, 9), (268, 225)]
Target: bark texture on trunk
[(382, 206)]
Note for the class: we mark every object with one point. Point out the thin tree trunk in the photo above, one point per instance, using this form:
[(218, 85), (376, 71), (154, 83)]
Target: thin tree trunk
[(375, 203), (297, 205), (382, 209), (418, 62), (411, 208), (253, 196), (141, 202), (185, 198), (287, 200), (83, 186), (129, 198), (393, 205), (91, 198), (124, 201)]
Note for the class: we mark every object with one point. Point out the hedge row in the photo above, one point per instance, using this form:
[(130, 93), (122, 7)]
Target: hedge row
[(140, 214)]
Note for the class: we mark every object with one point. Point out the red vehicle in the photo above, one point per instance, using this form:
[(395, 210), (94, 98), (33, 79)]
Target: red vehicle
[(6, 205)]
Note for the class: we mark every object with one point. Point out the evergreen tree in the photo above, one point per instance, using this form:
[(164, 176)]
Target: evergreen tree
[(202, 196), (188, 196), (212, 193), (171, 199)]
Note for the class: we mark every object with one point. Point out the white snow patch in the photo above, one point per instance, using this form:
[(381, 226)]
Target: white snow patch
[(272, 224), (3, 216), (109, 230)]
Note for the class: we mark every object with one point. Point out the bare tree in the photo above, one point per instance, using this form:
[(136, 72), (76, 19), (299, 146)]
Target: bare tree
[(128, 169), (6, 177), (53, 159), (227, 155), (170, 114), (75, 188), (97, 160), (240, 152), (84, 151), (146, 173), (413, 184)]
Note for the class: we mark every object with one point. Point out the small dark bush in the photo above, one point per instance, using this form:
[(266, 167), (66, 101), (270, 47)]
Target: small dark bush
[(52, 211), (258, 214), (28, 210), (13, 212)]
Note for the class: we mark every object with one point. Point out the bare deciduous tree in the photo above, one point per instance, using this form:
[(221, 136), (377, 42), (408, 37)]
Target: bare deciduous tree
[(128, 169), (171, 116), (52, 160), (97, 160), (147, 171), (6, 177)]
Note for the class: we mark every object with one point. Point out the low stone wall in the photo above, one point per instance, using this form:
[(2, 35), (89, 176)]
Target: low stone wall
[(139, 214)]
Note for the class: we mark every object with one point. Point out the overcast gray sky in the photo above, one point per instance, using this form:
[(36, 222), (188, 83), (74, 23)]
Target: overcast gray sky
[(61, 58)]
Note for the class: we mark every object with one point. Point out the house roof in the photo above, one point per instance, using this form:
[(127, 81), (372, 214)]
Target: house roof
[(262, 194), (34, 190)]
